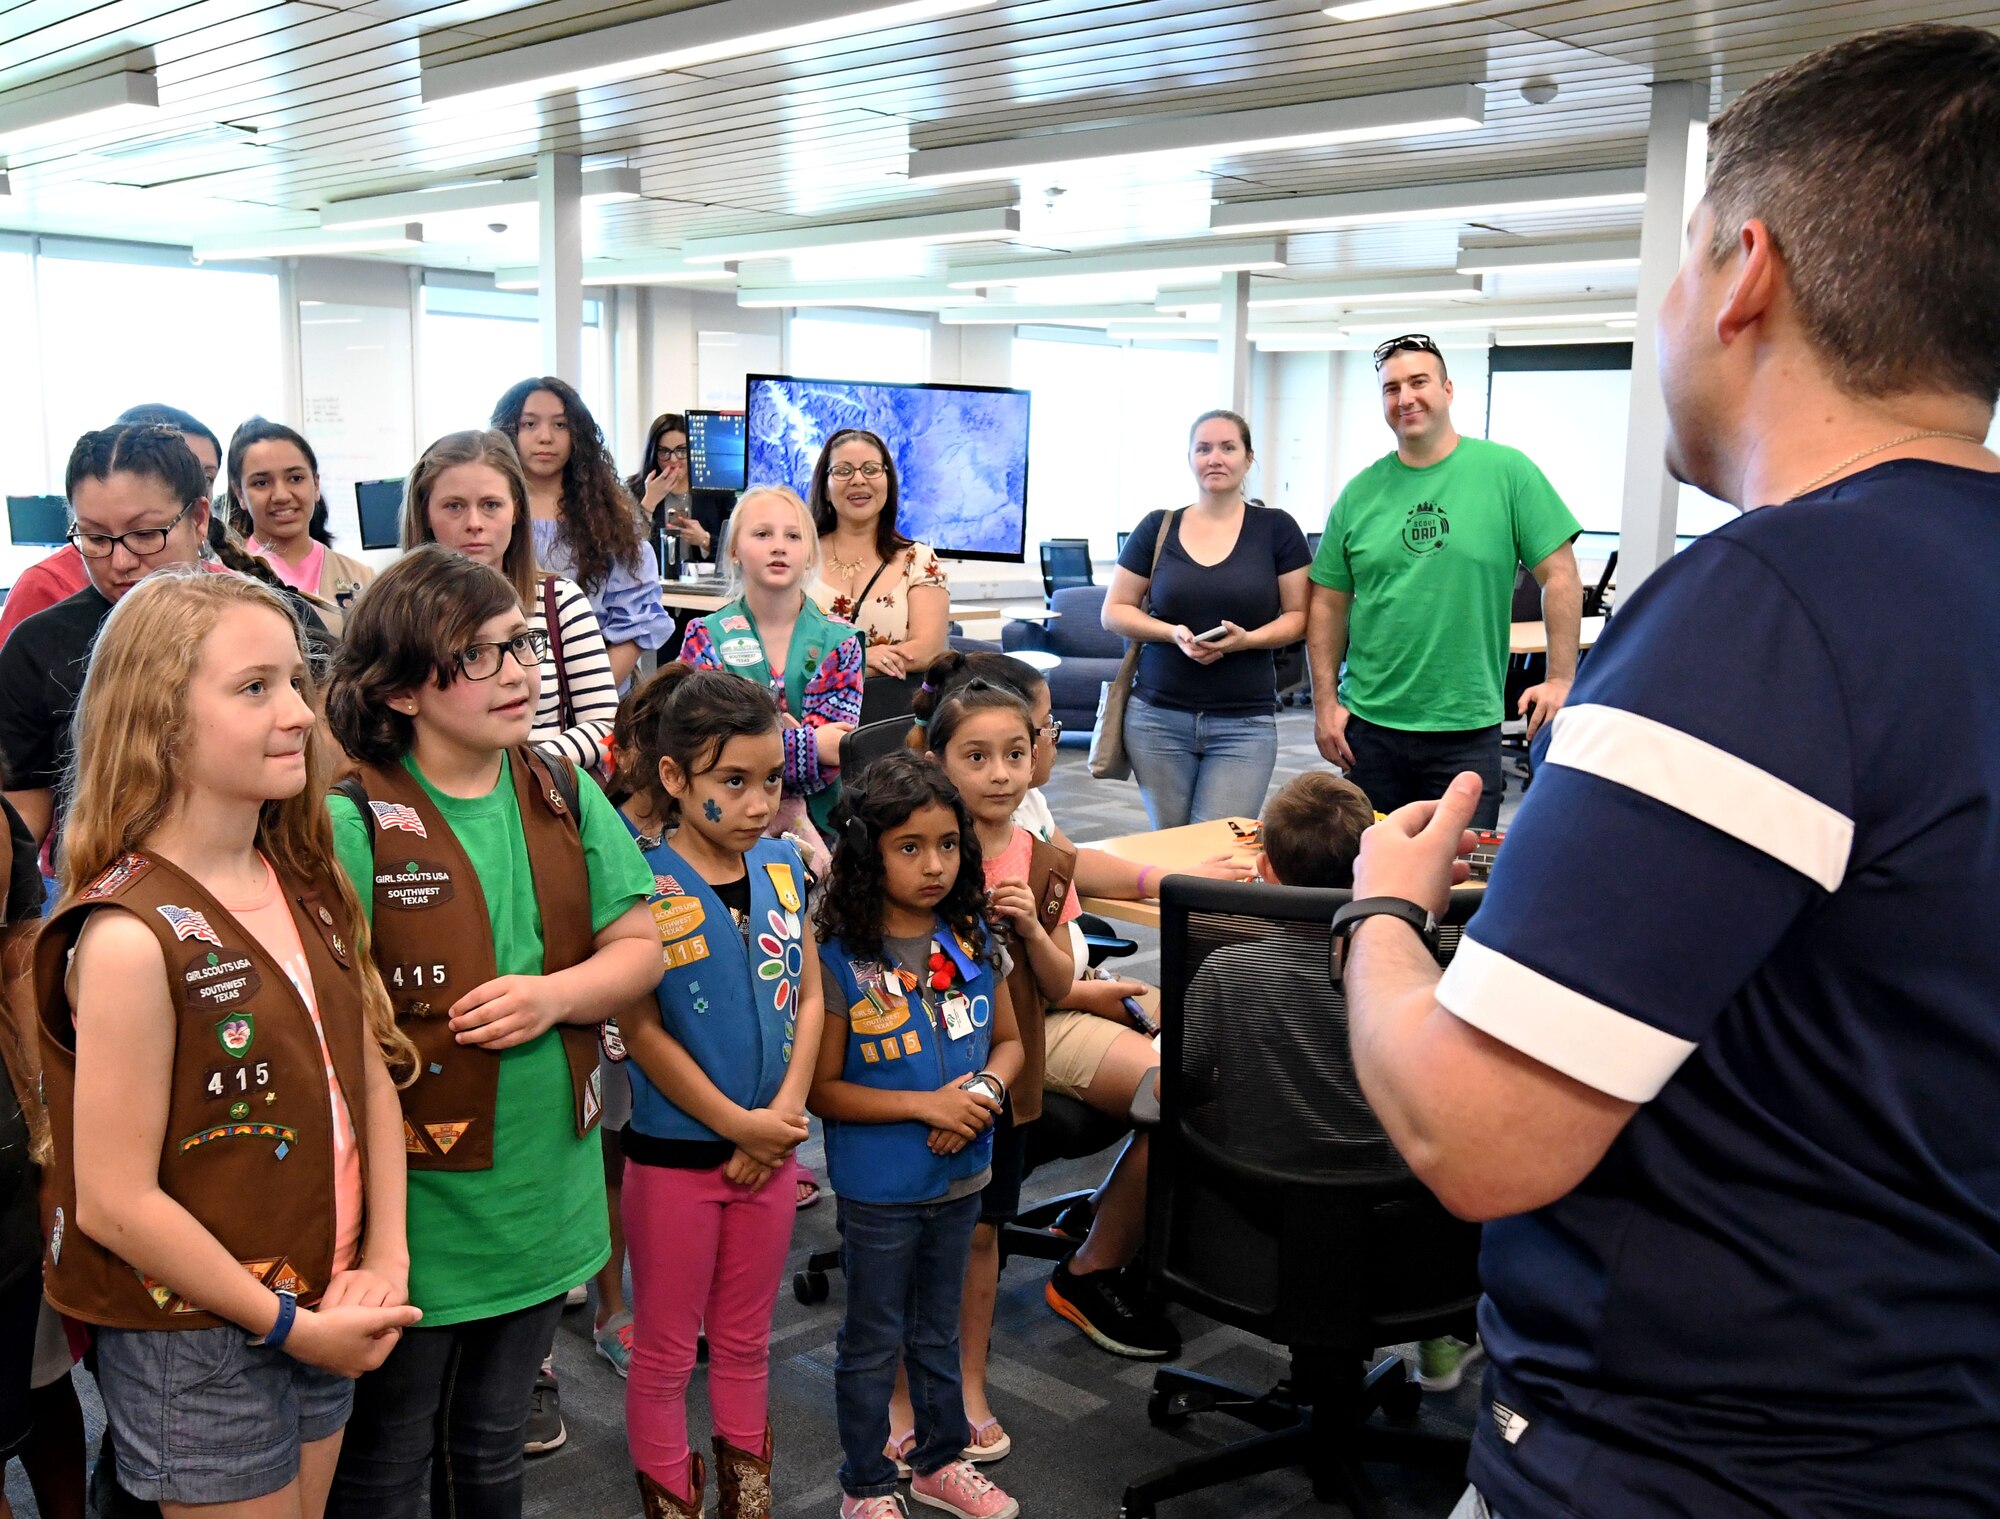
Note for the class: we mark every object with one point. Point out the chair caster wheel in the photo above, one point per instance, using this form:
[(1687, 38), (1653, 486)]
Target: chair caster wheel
[(810, 1287), (1165, 1410), (1402, 1399)]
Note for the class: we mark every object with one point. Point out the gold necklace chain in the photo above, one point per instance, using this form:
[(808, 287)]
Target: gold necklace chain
[(1880, 448), (847, 569)]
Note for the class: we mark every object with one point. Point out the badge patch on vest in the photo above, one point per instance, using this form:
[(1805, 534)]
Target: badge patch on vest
[(55, 1239), (742, 653), (674, 956), (593, 1097), (213, 981), (676, 917), (735, 623), (236, 1034), (913, 1043), (411, 1144), (1053, 896), (784, 956), (396, 815), (781, 881), (876, 1014), (414, 886), (445, 1135), (868, 1053), (667, 886), (187, 923), (122, 872), (286, 1137)]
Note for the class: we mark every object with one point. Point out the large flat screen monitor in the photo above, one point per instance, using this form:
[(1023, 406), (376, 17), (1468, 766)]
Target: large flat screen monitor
[(38, 521), (961, 452), (380, 504), (715, 450)]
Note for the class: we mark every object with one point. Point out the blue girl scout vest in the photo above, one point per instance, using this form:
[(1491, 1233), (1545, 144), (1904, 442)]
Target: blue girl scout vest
[(899, 1043), (730, 998)]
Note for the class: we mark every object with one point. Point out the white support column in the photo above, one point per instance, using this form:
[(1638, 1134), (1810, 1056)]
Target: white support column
[(1232, 340), (1676, 169), (559, 298)]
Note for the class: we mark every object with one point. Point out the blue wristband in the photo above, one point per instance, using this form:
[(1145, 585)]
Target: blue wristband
[(288, 1310)]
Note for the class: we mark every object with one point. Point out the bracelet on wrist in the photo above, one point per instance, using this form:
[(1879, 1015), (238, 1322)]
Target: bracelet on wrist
[(1146, 871), (288, 1311)]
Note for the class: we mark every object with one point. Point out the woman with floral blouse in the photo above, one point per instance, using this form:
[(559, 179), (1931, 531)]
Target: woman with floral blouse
[(888, 586)]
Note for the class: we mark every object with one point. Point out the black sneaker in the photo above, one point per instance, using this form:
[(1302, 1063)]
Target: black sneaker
[(545, 1421), (1103, 1305)]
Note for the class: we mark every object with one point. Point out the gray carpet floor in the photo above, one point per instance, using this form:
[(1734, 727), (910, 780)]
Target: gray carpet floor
[(1077, 1415)]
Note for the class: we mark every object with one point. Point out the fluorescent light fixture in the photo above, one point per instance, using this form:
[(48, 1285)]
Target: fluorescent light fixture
[(1385, 289), (1410, 113), (997, 314), (896, 293), (6, 184), (1523, 314), (1514, 337), (682, 39), (307, 242), (1582, 190), (1180, 264), (1537, 258), (624, 271), (948, 227), (81, 110), (495, 195), (1371, 10)]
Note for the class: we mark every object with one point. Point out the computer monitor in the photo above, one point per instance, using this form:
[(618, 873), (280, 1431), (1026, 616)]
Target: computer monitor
[(38, 521), (380, 503), (715, 450)]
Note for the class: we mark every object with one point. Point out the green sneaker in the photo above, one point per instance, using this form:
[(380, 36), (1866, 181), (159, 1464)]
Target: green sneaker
[(1441, 1363)]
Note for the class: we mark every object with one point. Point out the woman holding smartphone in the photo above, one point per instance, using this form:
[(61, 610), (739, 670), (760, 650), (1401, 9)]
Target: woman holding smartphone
[(1208, 606)]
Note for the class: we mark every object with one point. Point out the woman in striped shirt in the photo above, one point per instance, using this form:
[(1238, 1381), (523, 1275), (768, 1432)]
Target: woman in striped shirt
[(468, 493)]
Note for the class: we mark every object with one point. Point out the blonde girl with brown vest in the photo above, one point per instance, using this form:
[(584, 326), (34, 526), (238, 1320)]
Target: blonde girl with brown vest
[(507, 901), (225, 1199)]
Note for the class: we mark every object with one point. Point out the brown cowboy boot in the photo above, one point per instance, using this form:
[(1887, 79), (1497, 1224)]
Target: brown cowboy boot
[(657, 1503), (742, 1481)]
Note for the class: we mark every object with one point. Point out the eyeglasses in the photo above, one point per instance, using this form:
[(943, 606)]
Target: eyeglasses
[(869, 471), (680, 453), (1410, 342), (140, 543), (481, 661), (1051, 730)]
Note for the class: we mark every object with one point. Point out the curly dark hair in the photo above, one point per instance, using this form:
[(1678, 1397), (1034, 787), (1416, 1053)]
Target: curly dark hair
[(895, 786), (819, 500), (600, 524)]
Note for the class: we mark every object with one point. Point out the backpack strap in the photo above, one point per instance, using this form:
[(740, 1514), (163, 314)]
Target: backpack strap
[(350, 787), (552, 771)]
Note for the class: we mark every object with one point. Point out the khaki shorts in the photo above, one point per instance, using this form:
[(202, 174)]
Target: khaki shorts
[(1077, 1044)]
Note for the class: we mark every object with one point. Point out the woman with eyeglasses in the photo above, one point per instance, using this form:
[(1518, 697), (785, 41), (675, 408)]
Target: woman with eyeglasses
[(468, 493), (585, 527), (661, 489), (890, 587), (1208, 592)]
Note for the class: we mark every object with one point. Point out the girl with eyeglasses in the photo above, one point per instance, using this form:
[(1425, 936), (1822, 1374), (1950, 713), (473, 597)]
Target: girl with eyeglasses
[(889, 586), (507, 906), (468, 493), (586, 528)]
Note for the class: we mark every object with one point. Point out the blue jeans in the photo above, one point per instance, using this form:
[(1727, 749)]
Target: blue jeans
[(453, 1399), (905, 1270), (1194, 767)]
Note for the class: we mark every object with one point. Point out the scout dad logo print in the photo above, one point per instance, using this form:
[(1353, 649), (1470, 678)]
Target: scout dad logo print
[(1427, 530)]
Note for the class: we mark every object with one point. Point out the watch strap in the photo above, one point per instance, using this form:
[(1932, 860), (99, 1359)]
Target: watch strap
[(1353, 914)]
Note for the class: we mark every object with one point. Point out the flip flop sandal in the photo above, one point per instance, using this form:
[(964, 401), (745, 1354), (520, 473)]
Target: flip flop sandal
[(898, 1450), (979, 1454), (808, 1193)]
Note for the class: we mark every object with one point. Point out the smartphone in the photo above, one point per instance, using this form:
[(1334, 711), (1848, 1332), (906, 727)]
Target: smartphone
[(1141, 1019), (1213, 635)]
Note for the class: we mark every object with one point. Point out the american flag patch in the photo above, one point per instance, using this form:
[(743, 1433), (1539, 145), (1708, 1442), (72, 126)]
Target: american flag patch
[(396, 815), (189, 924)]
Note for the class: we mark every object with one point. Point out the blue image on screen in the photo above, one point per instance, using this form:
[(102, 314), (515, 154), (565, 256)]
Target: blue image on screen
[(715, 450), (961, 453)]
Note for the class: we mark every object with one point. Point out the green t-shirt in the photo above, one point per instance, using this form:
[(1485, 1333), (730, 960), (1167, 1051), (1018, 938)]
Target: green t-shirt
[(483, 1243), (1429, 556)]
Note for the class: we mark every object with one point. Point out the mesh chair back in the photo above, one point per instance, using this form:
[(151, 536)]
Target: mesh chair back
[(870, 742), (1065, 562), (1276, 1201)]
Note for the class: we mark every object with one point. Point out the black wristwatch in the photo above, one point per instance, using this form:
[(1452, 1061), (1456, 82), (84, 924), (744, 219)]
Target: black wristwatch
[(1357, 912)]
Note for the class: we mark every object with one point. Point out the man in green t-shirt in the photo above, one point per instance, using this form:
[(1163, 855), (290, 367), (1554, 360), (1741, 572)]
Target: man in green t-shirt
[(1413, 587)]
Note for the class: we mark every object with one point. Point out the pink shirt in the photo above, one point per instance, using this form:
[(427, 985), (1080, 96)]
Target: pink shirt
[(270, 920), (302, 577), (1011, 864), (42, 585)]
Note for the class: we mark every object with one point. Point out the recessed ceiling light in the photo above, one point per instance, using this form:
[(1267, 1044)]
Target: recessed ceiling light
[(1370, 10), (79, 110), (490, 195), (665, 270), (948, 227), (1181, 263), (1581, 190), (1525, 258), (308, 241)]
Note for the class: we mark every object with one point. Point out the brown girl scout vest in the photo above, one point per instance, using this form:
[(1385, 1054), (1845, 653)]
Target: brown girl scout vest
[(434, 943), (1051, 868), (249, 1141)]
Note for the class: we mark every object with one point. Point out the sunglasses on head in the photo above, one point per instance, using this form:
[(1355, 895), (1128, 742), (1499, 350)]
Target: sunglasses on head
[(1410, 342)]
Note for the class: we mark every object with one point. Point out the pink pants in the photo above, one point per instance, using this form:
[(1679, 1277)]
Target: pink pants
[(707, 1256)]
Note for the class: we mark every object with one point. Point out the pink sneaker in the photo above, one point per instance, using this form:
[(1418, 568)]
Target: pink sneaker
[(890, 1507), (961, 1488)]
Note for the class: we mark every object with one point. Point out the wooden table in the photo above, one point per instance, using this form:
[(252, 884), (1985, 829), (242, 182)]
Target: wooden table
[(1171, 849), (1533, 637)]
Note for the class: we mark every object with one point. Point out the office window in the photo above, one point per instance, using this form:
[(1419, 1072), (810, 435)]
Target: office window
[(23, 467), (861, 345), (116, 333), (1107, 441), (476, 343)]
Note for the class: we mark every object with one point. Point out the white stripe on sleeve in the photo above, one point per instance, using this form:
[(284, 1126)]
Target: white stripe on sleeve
[(1709, 784), (1597, 1045)]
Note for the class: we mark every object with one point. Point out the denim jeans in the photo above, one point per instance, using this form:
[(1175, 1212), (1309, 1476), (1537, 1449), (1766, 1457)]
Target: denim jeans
[(453, 1399), (905, 1270), (1396, 766), (1194, 767)]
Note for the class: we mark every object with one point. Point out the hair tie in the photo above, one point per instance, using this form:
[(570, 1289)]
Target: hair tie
[(926, 689), (920, 724)]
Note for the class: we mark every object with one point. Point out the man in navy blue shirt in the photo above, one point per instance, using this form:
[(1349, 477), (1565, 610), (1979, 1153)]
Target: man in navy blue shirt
[(1720, 1055)]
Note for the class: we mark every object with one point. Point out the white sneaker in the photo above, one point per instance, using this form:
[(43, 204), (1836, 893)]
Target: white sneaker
[(577, 1296)]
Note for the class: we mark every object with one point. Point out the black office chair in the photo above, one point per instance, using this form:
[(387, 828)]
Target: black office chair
[(1312, 543), (1597, 597), (1065, 562), (887, 697), (870, 742), (1276, 1204), (1121, 541)]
